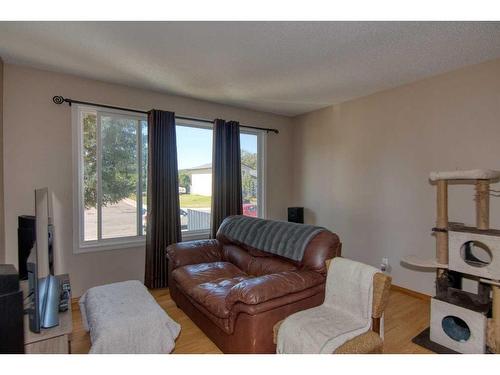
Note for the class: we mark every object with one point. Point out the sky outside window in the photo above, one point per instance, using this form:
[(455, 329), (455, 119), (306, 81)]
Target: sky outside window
[(194, 146)]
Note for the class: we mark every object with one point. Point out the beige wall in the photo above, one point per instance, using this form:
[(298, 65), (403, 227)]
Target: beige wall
[(2, 224), (362, 167), (37, 145)]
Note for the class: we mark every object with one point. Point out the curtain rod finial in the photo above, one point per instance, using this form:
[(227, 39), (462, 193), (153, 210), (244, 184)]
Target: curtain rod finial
[(58, 99)]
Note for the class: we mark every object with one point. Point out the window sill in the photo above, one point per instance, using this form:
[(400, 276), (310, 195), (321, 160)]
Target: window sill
[(110, 245), (193, 236), (120, 244)]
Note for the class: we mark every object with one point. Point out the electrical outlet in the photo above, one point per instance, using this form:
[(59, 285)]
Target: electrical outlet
[(385, 266)]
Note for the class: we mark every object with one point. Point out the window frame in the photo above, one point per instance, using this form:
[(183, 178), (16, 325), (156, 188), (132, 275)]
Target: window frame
[(79, 244)]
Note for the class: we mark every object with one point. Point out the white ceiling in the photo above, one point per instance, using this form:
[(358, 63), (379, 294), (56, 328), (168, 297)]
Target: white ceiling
[(281, 67)]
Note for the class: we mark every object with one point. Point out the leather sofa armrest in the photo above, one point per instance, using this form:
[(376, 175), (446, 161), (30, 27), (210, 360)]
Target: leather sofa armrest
[(267, 287), (194, 252)]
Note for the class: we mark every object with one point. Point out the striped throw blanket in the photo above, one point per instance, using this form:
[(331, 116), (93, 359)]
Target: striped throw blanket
[(281, 238)]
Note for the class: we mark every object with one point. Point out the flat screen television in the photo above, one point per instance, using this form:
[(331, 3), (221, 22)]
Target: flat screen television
[(44, 287)]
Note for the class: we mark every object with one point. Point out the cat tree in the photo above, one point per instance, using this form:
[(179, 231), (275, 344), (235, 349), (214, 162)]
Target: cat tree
[(463, 321)]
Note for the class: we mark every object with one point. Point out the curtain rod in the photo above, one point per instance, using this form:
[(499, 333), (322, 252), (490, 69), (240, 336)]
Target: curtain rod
[(60, 100)]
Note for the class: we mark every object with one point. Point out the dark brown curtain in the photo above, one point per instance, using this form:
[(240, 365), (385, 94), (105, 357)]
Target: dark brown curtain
[(163, 220), (226, 173)]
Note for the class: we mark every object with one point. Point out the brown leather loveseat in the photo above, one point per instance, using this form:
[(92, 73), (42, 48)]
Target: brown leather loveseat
[(236, 293)]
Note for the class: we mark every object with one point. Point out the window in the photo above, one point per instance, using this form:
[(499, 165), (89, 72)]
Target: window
[(194, 155), (111, 167), (111, 177)]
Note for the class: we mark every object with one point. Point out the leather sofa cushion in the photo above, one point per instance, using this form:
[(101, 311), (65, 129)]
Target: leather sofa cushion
[(260, 266), (209, 284), (212, 294), (195, 274), (256, 264), (256, 290), (237, 256), (194, 252)]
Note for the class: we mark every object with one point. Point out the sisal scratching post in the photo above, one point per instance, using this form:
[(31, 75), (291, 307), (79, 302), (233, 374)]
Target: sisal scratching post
[(483, 204), (442, 222), (496, 317)]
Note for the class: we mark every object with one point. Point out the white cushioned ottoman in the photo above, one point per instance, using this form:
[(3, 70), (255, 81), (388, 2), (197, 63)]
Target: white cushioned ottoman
[(125, 318)]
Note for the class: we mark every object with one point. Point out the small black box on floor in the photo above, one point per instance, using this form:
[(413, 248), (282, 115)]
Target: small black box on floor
[(11, 311), (296, 215)]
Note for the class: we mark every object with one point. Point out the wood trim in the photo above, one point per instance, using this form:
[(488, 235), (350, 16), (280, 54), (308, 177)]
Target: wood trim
[(409, 292)]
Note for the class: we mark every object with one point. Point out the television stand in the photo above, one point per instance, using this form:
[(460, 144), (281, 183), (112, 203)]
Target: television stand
[(55, 340)]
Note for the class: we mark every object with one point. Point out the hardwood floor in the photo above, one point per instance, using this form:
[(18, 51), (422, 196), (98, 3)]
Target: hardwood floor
[(406, 316)]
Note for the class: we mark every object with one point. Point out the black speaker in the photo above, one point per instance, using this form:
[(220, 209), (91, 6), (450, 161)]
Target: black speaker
[(11, 311), (296, 215)]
